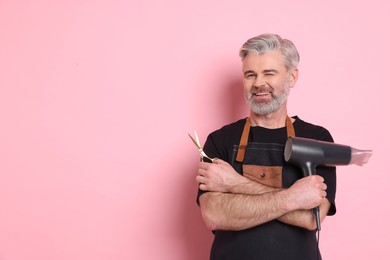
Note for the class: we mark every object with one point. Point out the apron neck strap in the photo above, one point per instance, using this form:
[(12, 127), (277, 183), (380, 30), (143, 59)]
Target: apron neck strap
[(290, 127), (245, 137)]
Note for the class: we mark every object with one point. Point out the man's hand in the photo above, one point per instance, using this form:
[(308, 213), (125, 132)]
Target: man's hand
[(307, 193), (218, 176)]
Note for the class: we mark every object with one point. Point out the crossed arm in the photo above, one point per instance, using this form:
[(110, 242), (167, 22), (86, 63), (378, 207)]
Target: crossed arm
[(236, 203)]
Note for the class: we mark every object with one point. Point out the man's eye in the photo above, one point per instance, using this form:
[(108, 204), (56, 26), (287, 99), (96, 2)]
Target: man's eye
[(250, 76)]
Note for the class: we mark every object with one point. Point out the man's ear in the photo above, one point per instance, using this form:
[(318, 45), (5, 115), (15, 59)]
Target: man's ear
[(293, 77)]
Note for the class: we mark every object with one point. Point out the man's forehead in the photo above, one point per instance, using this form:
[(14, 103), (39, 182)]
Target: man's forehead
[(272, 60)]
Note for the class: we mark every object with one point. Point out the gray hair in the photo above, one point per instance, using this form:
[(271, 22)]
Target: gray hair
[(272, 42)]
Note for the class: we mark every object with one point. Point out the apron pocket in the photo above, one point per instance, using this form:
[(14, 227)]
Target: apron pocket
[(266, 175)]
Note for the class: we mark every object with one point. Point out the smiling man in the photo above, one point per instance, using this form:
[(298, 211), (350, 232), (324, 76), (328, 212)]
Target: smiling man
[(258, 206)]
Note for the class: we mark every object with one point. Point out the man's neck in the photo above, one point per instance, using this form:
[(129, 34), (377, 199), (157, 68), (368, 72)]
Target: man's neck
[(271, 121)]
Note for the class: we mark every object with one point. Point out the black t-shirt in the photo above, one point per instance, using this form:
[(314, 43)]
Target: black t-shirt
[(274, 239)]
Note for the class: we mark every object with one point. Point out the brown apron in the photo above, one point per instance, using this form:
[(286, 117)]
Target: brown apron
[(263, 162)]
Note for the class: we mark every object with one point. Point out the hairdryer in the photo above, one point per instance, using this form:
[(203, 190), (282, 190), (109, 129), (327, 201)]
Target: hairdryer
[(308, 153)]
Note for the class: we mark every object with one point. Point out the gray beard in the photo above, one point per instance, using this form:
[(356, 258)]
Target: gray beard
[(271, 107)]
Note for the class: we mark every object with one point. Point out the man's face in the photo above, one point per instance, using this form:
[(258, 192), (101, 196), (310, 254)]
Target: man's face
[(267, 82)]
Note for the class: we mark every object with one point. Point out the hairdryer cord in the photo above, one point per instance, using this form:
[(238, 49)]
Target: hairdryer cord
[(318, 245)]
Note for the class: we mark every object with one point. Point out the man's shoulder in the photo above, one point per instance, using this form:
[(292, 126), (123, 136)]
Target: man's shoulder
[(228, 134), (310, 130), (220, 142)]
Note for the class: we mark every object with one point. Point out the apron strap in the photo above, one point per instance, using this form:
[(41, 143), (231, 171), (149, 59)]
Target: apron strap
[(245, 136), (244, 140), (290, 127)]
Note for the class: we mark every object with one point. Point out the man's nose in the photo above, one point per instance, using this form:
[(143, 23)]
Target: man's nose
[(259, 81)]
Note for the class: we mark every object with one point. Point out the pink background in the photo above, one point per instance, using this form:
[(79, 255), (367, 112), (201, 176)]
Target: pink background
[(97, 98)]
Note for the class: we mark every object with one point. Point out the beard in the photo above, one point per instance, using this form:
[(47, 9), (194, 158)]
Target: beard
[(263, 108)]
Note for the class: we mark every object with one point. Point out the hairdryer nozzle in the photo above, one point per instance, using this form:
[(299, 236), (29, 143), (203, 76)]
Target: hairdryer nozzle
[(360, 157)]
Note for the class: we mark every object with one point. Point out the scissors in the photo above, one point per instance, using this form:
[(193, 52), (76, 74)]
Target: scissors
[(197, 143)]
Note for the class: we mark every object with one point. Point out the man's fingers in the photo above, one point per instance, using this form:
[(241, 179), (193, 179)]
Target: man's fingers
[(200, 179), (202, 172), (202, 186), (218, 161)]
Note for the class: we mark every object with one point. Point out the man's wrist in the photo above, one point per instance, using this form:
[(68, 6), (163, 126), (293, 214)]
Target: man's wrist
[(247, 186)]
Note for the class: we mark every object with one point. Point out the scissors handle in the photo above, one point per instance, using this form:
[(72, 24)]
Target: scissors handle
[(204, 155)]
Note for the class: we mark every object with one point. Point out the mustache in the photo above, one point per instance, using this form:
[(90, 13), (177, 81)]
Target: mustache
[(262, 89)]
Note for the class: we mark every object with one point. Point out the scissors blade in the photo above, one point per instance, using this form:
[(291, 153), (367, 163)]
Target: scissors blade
[(195, 142)]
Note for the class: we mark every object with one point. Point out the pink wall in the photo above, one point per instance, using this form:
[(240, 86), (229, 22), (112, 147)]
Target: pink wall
[(97, 97)]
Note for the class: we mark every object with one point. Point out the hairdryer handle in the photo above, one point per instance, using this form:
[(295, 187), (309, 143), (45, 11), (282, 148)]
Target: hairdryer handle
[(316, 212)]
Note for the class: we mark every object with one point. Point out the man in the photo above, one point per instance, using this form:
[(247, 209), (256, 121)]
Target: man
[(258, 206)]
